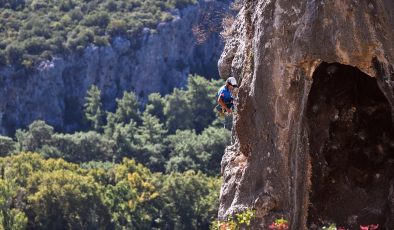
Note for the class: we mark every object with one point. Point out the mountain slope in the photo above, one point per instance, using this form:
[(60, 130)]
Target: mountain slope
[(153, 60)]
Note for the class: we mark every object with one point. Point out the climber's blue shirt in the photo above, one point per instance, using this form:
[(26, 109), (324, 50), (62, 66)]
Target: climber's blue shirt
[(225, 95)]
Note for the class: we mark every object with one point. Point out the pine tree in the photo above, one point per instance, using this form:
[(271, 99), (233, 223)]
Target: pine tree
[(127, 108), (150, 146), (93, 111)]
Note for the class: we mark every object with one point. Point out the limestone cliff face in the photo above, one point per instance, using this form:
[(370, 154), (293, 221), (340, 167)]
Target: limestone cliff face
[(155, 61), (313, 137)]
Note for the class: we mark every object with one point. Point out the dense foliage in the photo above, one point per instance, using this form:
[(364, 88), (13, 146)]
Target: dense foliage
[(174, 133), (155, 168), (34, 29), (53, 194)]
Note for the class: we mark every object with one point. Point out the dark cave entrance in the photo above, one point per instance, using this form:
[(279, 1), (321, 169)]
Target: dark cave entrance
[(351, 137)]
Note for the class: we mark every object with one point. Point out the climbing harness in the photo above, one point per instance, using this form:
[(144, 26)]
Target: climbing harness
[(223, 115)]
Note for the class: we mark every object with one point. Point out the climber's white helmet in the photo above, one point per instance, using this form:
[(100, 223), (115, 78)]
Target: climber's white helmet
[(232, 81)]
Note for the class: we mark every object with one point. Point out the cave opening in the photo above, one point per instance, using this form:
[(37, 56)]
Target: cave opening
[(351, 146)]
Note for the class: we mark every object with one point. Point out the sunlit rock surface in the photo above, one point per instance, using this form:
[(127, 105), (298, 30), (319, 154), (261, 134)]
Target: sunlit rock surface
[(313, 137)]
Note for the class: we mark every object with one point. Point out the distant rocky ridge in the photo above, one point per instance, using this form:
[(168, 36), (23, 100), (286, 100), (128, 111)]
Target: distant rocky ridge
[(156, 61)]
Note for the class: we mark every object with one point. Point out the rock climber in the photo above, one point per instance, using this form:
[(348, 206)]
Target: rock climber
[(225, 98)]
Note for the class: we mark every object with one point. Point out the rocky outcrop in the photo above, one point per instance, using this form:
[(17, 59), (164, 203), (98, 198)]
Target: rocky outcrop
[(155, 61), (313, 137)]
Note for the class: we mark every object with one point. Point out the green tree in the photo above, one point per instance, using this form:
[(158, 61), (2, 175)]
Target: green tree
[(66, 5), (186, 152), (214, 141), (189, 200), (63, 199), (14, 53), (122, 134), (192, 108), (127, 108), (20, 167), (198, 152), (53, 193), (7, 145), (177, 111), (110, 126), (36, 45), (36, 137), (83, 147), (117, 27), (93, 108), (149, 142), (100, 19), (111, 6), (10, 217), (155, 106), (132, 196), (201, 94), (125, 139)]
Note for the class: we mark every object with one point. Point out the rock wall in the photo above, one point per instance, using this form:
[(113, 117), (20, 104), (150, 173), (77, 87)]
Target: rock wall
[(156, 61), (303, 113)]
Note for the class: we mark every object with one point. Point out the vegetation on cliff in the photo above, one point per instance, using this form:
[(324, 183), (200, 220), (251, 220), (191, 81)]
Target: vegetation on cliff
[(31, 30)]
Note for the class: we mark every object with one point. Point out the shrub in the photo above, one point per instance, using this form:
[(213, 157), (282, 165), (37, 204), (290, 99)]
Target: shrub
[(42, 30), (7, 145), (36, 45), (111, 6), (80, 40), (242, 221), (38, 4), (13, 4), (76, 14), (28, 62), (117, 27), (57, 44), (66, 5), (66, 20), (279, 224), (101, 40), (14, 53), (100, 19), (33, 139), (82, 147), (182, 3)]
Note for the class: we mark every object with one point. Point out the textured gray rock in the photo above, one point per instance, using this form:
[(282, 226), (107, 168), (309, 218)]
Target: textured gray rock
[(156, 61), (279, 51)]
